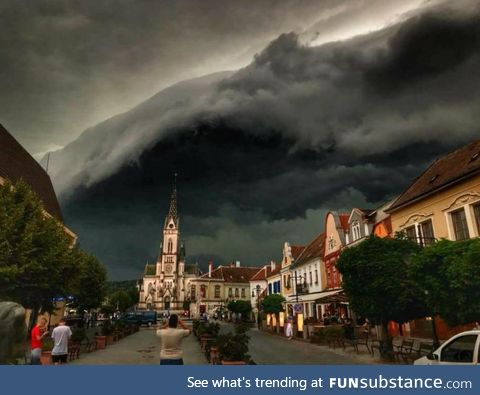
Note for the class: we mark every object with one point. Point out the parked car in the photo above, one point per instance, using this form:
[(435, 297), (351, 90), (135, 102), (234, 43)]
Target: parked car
[(141, 318), (461, 349)]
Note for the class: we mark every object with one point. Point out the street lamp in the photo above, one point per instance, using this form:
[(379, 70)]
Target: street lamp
[(258, 289)]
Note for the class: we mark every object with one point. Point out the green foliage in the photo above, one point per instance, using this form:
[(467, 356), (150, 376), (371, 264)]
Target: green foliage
[(107, 309), (240, 307), (47, 343), (272, 304), (107, 328), (78, 335), (35, 256), (233, 347), (90, 284), (122, 300), (449, 272), (378, 281), (37, 263)]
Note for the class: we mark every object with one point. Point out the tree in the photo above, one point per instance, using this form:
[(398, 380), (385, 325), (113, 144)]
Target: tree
[(90, 284), (35, 256), (273, 304), (378, 282), (449, 274), (241, 307), (121, 300)]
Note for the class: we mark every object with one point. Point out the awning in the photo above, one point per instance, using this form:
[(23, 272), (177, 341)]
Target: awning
[(311, 297), (337, 296)]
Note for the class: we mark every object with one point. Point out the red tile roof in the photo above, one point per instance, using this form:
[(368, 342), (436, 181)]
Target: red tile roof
[(444, 172), (16, 163), (314, 249), (344, 221), (296, 251), (232, 274), (266, 272)]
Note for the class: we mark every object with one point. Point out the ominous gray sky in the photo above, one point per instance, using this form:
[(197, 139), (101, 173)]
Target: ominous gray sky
[(67, 65), (305, 126)]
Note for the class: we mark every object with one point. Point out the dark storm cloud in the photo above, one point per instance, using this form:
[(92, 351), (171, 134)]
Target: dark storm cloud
[(264, 152), (66, 65)]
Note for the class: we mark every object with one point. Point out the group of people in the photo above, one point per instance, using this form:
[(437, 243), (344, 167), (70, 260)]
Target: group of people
[(60, 335)]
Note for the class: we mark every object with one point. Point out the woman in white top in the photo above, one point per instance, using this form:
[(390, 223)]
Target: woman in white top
[(171, 337)]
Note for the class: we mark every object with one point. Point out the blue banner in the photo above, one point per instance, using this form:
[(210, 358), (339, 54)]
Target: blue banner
[(180, 380)]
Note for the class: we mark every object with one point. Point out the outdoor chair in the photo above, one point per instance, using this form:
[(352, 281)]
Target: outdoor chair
[(424, 348), (404, 350), (73, 351)]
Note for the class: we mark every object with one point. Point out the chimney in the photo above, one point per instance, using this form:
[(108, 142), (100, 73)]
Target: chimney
[(210, 268), (237, 264), (273, 265)]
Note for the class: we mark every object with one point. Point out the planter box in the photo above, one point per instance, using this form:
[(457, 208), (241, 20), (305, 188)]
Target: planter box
[(100, 342), (46, 358)]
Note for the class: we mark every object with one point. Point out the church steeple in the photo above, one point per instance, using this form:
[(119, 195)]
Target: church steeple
[(173, 209)]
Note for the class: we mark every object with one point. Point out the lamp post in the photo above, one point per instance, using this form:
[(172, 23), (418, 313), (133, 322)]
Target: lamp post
[(259, 321)]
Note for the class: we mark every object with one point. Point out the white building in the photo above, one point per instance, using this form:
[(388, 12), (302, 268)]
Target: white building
[(165, 285)]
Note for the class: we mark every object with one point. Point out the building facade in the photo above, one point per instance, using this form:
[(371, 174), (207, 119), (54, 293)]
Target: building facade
[(212, 291), (165, 285)]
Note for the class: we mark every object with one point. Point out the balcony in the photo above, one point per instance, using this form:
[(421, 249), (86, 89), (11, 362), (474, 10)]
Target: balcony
[(302, 289)]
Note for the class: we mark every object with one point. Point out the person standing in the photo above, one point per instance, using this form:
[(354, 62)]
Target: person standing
[(38, 332), (60, 335), (171, 338), (289, 329)]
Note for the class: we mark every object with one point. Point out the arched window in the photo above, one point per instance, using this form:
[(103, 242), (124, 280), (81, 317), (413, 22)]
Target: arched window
[(169, 246)]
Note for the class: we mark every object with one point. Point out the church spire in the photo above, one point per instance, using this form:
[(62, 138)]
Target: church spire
[(173, 210)]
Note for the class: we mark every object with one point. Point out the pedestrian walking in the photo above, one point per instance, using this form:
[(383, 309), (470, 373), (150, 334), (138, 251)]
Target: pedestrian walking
[(289, 329), (171, 337), (60, 335), (38, 332)]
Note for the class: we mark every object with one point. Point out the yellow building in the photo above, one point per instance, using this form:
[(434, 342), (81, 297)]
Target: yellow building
[(290, 253), (444, 202), (214, 289)]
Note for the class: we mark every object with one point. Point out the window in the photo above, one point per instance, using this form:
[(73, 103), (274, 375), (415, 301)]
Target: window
[(203, 291), (169, 246), (460, 226), (476, 212), (426, 229), (459, 350), (193, 291), (411, 233), (230, 292), (270, 288), (243, 292), (356, 231), (316, 276), (311, 278), (236, 292), (217, 291)]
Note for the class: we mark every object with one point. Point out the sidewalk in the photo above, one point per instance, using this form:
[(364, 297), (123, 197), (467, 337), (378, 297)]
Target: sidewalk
[(141, 348)]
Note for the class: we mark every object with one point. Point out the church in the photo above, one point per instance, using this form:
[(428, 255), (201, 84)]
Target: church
[(165, 284)]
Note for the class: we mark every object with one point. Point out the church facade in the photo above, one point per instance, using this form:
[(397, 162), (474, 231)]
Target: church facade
[(165, 285)]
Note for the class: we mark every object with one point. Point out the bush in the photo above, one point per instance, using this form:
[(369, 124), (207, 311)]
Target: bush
[(78, 335), (107, 328), (233, 347)]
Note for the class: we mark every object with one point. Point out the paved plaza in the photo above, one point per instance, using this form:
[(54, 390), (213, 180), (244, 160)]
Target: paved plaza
[(143, 348)]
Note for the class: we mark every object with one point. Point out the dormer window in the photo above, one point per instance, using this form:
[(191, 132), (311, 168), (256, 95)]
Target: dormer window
[(356, 234)]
